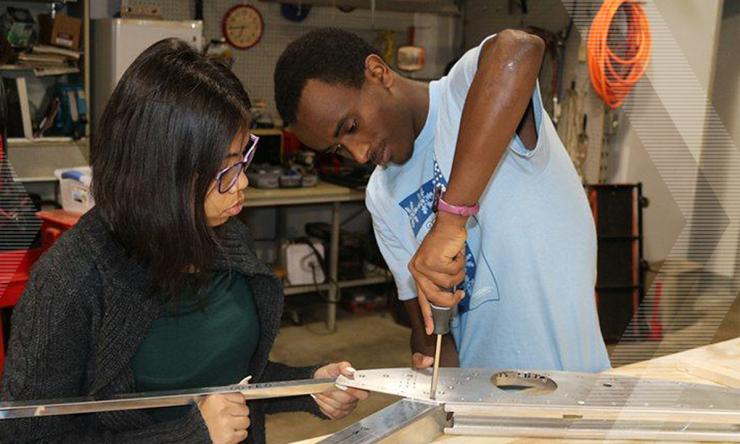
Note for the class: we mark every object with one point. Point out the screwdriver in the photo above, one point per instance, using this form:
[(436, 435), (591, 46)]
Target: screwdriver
[(441, 318)]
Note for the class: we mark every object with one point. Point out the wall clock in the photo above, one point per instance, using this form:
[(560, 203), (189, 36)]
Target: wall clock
[(243, 26)]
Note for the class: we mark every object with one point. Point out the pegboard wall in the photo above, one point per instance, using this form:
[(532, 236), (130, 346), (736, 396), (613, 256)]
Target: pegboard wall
[(255, 66)]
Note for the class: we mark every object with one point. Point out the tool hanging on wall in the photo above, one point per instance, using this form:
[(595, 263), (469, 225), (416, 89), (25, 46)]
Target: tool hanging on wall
[(518, 4), (295, 12), (555, 48), (386, 41), (569, 124), (582, 150), (616, 60)]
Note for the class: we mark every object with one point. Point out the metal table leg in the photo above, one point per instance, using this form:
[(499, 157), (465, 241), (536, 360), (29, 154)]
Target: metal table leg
[(331, 315)]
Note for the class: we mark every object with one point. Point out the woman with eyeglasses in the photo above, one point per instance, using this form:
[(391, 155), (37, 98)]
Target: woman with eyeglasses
[(158, 286)]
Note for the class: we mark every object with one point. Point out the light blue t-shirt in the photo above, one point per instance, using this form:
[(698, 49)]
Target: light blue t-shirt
[(531, 251)]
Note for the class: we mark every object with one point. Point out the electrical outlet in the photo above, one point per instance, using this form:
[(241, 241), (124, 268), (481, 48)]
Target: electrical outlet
[(310, 263)]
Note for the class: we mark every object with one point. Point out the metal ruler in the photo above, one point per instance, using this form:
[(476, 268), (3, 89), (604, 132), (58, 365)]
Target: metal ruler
[(69, 406)]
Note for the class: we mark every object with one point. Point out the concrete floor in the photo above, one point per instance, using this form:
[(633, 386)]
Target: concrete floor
[(374, 341), (367, 341)]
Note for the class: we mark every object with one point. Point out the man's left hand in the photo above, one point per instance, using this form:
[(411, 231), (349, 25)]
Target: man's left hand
[(338, 403)]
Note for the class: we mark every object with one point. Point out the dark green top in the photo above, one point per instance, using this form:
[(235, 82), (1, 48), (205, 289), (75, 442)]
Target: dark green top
[(200, 345), (85, 311)]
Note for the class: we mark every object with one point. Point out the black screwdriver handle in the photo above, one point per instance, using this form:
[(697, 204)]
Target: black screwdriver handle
[(441, 317)]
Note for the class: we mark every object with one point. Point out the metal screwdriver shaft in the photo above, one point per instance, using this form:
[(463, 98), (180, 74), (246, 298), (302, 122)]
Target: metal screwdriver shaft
[(441, 317), (435, 369)]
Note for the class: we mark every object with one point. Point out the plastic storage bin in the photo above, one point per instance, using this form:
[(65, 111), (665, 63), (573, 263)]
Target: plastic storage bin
[(74, 189), (15, 268)]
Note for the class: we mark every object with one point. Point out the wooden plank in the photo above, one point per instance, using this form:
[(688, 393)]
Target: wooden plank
[(715, 364)]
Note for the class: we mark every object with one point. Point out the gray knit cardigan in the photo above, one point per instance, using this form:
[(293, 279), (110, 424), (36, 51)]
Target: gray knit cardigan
[(84, 312)]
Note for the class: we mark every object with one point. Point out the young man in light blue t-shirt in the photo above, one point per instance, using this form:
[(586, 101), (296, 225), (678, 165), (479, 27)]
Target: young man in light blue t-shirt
[(512, 225)]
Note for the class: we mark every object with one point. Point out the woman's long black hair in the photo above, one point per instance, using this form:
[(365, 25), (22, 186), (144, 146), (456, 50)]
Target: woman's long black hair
[(159, 144)]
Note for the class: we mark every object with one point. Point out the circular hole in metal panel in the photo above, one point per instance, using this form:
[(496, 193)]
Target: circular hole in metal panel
[(523, 382)]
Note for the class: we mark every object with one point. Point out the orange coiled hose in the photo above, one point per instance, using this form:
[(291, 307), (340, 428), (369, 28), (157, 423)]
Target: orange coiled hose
[(614, 70)]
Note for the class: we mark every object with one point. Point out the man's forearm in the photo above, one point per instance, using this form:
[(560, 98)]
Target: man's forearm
[(498, 97), (424, 344)]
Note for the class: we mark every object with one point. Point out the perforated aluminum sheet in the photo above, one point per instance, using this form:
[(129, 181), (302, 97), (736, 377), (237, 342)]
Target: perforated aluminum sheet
[(567, 389)]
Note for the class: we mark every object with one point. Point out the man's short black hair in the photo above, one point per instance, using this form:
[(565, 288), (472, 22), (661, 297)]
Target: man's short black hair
[(327, 54)]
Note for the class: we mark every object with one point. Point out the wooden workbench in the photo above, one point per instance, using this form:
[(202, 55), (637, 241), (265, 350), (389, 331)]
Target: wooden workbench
[(323, 192), (715, 364)]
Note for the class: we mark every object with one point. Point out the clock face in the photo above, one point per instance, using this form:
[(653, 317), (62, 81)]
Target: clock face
[(243, 26)]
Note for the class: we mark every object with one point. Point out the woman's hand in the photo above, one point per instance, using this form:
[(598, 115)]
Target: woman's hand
[(227, 417), (339, 402)]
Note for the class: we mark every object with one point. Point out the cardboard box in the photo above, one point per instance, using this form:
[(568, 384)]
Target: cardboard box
[(65, 31)]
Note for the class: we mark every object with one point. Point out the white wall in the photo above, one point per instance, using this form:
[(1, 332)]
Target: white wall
[(726, 96), (680, 75), (726, 101)]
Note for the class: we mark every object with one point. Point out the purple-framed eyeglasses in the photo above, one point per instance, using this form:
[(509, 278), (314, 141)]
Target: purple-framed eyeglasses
[(227, 177)]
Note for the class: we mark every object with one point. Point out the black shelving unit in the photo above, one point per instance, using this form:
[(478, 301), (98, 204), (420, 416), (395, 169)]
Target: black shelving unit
[(620, 283)]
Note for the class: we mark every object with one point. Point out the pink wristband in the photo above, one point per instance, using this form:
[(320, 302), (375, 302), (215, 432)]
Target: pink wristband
[(440, 205)]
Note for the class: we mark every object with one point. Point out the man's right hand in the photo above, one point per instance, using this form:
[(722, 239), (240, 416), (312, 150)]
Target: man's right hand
[(226, 416), (439, 266)]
